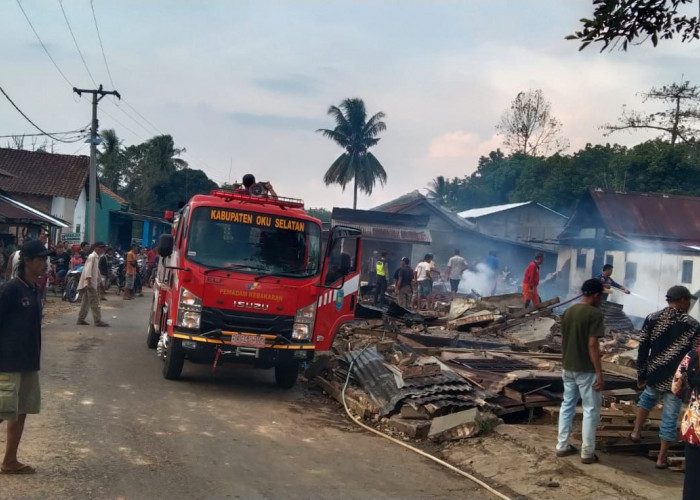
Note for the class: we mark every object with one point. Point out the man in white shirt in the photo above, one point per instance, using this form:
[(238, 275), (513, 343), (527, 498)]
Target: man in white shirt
[(88, 286), (455, 267), (424, 279)]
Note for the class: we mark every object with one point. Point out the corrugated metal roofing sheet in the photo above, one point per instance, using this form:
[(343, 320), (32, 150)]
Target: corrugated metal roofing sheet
[(392, 233), (371, 373), (12, 210), (649, 215)]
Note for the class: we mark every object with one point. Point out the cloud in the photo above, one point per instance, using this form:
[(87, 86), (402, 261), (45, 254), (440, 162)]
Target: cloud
[(457, 153), (275, 121), (292, 84)]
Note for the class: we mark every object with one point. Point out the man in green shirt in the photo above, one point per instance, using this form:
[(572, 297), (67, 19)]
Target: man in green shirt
[(581, 327)]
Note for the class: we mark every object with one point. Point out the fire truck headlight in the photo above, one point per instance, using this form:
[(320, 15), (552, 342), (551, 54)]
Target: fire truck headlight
[(301, 331), (189, 310), (189, 319), (304, 323)]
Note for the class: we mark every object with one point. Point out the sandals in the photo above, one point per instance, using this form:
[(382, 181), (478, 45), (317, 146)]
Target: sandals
[(663, 465), (22, 469), (634, 440)]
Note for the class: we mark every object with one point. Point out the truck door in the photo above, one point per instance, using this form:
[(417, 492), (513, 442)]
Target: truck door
[(340, 284)]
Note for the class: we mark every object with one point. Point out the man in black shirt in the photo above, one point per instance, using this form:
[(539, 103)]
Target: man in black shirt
[(62, 262), (20, 349), (404, 283)]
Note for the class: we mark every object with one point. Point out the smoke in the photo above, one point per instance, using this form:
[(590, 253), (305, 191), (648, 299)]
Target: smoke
[(481, 278)]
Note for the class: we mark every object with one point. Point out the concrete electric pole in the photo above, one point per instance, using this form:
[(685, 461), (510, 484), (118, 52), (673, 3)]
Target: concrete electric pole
[(97, 96)]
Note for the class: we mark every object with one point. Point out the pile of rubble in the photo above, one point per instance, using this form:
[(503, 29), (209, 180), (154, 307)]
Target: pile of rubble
[(450, 376)]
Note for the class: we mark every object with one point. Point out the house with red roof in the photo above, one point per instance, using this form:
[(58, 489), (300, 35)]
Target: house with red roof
[(652, 240), (55, 184)]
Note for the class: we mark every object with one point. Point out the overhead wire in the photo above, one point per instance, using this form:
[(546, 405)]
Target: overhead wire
[(19, 3), (75, 41), (69, 132), (99, 37), (30, 121)]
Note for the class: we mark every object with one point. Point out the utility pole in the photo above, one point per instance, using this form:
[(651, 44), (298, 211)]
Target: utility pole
[(97, 96)]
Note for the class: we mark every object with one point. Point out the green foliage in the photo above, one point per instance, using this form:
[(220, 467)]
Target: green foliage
[(355, 133), (558, 181), (150, 175), (634, 21), (320, 213)]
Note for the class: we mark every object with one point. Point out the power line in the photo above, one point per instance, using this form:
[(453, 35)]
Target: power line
[(19, 3), (30, 121), (92, 7), (75, 41), (69, 132)]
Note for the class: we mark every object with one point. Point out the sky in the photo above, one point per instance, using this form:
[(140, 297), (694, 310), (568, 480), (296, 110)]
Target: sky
[(244, 85)]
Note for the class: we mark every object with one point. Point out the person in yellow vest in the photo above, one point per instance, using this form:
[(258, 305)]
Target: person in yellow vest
[(381, 269)]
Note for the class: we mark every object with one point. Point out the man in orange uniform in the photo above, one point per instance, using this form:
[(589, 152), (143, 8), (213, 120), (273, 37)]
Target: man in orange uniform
[(531, 281)]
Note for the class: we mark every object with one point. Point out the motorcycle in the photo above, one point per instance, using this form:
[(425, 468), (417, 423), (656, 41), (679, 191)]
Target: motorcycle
[(118, 274), (70, 292)]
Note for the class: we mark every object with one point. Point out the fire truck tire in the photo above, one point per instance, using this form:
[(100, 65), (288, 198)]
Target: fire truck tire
[(174, 359), (286, 374), (152, 336)]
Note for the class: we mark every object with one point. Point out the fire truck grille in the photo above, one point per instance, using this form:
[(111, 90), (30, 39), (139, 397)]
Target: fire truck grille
[(238, 321)]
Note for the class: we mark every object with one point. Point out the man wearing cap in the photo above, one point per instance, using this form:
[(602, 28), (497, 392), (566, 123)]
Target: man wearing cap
[(404, 283), (581, 327), (666, 337), (20, 351), (88, 287), (531, 281)]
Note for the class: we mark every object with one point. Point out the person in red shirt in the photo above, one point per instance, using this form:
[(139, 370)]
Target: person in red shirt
[(531, 281)]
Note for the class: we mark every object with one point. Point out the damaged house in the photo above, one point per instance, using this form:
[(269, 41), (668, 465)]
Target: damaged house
[(652, 240), (528, 222), (448, 231)]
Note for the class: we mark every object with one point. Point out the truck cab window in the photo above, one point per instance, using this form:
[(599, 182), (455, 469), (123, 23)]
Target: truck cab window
[(236, 239)]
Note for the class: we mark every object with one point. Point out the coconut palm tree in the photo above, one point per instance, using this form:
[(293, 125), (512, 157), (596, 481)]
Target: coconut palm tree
[(110, 160), (356, 134)]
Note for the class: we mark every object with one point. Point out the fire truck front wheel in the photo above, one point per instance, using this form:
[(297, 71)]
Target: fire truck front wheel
[(286, 374), (173, 358)]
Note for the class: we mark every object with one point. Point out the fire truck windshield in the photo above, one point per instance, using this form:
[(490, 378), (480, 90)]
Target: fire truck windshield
[(251, 242)]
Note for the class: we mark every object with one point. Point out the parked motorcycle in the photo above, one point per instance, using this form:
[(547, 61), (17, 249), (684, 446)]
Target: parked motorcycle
[(70, 292)]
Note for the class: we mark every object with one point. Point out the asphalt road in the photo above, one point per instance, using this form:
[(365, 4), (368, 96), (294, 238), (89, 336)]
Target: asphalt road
[(112, 427)]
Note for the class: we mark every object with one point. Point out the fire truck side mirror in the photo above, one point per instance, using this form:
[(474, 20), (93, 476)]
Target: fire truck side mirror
[(165, 245)]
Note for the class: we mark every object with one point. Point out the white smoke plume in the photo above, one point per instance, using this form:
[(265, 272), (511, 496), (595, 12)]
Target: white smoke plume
[(480, 279)]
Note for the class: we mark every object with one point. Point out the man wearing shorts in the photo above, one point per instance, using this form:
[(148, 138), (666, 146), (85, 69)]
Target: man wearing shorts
[(20, 348), (666, 337), (424, 279)]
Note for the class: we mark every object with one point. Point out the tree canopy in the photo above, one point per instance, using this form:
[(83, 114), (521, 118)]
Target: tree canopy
[(150, 175), (679, 120), (559, 180), (528, 126), (636, 21), (355, 133)]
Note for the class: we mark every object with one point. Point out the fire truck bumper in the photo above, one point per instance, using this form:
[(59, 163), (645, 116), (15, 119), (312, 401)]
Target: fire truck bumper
[(232, 346)]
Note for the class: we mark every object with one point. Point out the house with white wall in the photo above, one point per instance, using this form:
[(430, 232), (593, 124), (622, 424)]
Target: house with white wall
[(53, 183), (652, 241)]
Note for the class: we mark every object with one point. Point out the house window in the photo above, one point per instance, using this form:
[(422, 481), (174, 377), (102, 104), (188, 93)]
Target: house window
[(609, 259), (630, 273), (581, 259), (687, 274), (77, 228)]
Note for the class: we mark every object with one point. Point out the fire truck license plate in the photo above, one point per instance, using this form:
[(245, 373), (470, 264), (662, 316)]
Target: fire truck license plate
[(248, 340)]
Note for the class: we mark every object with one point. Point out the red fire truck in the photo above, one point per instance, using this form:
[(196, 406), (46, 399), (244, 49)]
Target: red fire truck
[(247, 278)]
